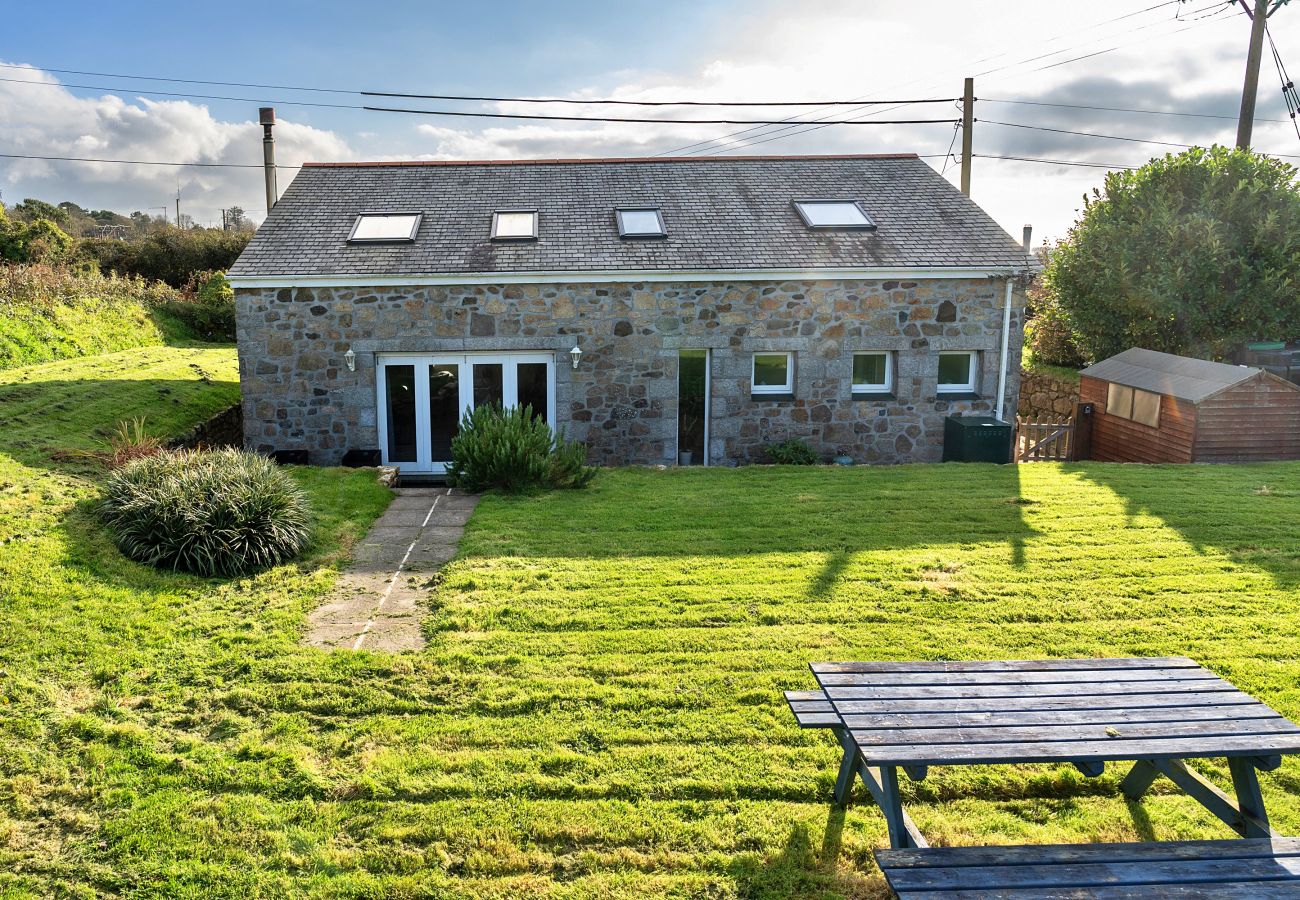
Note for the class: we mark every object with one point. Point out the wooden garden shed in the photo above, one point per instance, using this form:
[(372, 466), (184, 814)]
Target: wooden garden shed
[(1156, 407)]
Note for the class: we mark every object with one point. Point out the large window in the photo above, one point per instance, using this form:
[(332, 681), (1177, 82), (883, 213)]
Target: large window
[(873, 373), (957, 371), (1140, 406), (773, 373)]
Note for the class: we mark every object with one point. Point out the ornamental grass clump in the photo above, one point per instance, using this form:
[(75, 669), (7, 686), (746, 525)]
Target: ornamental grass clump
[(208, 512), (514, 451)]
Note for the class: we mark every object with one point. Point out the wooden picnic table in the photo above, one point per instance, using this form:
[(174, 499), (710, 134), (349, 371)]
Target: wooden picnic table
[(1087, 712)]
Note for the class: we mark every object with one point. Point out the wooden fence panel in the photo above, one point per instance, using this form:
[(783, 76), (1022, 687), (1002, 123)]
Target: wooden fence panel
[(1043, 441)]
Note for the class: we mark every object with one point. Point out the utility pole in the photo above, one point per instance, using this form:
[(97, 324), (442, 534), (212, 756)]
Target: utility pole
[(1250, 86), (967, 126)]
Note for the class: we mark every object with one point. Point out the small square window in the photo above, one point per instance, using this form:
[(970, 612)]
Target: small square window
[(640, 222), (1146, 408), (833, 214), (872, 373), (514, 225), (957, 372), (1119, 401), (384, 228), (773, 373)]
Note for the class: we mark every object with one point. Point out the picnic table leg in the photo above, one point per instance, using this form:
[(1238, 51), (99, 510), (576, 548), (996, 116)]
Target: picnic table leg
[(1254, 818), (891, 804), (848, 767), (1138, 779)]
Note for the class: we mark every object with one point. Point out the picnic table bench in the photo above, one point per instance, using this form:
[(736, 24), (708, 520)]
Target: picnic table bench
[(1253, 868), (1157, 712)]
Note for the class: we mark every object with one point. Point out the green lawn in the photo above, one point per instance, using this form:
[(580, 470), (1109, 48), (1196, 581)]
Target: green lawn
[(598, 712)]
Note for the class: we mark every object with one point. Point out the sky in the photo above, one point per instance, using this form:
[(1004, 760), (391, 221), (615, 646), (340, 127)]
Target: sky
[(64, 90)]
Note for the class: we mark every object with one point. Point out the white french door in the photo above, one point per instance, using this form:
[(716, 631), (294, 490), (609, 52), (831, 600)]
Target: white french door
[(422, 397)]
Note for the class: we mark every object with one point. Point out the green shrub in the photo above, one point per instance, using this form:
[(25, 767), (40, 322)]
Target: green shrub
[(209, 512), (793, 452), (513, 450), (207, 308), (173, 255), (1050, 338)]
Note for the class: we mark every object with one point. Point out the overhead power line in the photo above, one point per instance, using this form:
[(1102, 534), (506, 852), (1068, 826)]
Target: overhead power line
[(1054, 162), (139, 162), (643, 120), (1112, 137), (1123, 109)]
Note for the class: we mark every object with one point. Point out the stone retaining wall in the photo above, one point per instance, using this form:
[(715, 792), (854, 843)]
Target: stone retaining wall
[(1044, 398), (622, 400), (225, 429)]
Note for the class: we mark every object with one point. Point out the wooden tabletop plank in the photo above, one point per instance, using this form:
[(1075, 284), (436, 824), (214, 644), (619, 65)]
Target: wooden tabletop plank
[(1257, 890), (1088, 676), (936, 737), (868, 692), (1253, 710), (1079, 751), (1005, 665), (1014, 855), (1015, 704), (800, 696), (1108, 874)]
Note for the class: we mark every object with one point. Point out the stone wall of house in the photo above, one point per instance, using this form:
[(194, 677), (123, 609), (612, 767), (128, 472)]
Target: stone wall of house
[(1044, 398), (622, 400)]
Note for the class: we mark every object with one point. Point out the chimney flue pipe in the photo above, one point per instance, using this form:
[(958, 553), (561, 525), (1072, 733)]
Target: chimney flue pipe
[(266, 116)]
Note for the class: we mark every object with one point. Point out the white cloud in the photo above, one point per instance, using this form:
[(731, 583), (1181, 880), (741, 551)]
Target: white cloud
[(51, 121)]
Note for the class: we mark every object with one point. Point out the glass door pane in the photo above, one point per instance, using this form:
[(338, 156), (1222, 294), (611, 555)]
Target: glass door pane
[(692, 405), (400, 383), (488, 387), (444, 409), (531, 383)]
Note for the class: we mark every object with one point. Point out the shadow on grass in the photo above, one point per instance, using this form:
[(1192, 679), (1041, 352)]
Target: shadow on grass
[(797, 870), (1248, 512)]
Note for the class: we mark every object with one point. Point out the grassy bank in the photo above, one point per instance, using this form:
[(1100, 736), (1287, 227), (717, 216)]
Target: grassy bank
[(598, 713)]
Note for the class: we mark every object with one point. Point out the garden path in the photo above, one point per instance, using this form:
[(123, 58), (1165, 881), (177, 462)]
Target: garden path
[(377, 602)]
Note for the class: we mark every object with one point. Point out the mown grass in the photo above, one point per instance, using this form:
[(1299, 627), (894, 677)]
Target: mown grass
[(598, 712)]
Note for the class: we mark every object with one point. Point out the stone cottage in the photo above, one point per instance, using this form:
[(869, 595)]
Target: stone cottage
[(661, 310)]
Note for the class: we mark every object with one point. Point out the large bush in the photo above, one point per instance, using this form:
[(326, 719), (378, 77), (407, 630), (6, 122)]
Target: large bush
[(173, 255), (1193, 254), (209, 512), (207, 307), (29, 241), (513, 450), (1050, 337)]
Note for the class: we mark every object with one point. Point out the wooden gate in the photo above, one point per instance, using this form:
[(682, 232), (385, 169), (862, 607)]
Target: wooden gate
[(1044, 441)]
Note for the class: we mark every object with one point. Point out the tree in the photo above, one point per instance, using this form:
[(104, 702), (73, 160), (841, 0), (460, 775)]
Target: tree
[(38, 240), (31, 209), (1194, 253)]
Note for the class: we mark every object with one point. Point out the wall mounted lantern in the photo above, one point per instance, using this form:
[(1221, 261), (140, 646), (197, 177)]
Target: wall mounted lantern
[(351, 359), (576, 355)]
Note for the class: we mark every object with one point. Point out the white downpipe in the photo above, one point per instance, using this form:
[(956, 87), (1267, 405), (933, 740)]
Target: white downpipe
[(1006, 346)]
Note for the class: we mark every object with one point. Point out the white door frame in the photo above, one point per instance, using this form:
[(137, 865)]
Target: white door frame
[(465, 372)]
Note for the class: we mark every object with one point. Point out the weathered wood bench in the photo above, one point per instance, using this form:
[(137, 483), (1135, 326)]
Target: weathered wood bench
[(1255, 868)]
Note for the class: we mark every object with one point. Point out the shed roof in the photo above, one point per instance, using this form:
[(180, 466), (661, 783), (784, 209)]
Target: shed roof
[(721, 213), (1164, 373)]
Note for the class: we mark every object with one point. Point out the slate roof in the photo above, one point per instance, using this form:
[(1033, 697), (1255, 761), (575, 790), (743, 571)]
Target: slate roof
[(1179, 376), (720, 213)]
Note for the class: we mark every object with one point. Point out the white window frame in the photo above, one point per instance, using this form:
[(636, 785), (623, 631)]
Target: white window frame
[(497, 214), (973, 373), (888, 385), (417, 218), (769, 389)]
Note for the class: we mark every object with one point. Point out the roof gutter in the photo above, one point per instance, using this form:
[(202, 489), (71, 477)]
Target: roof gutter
[(622, 276)]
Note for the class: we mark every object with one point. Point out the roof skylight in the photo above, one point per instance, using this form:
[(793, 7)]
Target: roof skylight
[(514, 225), (384, 227), (640, 222), (833, 214)]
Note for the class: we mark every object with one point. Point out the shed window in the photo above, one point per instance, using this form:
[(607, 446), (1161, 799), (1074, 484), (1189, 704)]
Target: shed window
[(773, 373), (514, 225), (872, 373), (384, 227), (640, 222), (957, 370), (1140, 406), (833, 214)]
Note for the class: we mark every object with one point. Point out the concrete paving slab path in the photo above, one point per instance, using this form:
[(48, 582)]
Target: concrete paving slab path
[(379, 599)]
